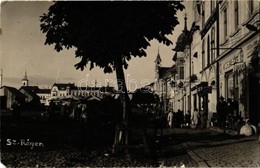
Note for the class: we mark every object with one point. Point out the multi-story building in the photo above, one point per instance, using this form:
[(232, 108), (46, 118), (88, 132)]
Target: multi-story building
[(64, 90), (222, 57)]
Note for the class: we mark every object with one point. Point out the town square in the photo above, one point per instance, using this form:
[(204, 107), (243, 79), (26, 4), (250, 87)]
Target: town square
[(130, 83)]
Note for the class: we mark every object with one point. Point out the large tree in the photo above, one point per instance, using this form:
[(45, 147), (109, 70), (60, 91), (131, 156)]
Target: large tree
[(108, 34)]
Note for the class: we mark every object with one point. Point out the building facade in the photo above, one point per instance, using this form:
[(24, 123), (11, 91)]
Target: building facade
[(222, 57), (65, 90)]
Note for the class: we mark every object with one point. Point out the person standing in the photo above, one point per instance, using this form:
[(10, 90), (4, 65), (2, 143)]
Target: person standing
[(221, 111), (195, 118), (170, 119)]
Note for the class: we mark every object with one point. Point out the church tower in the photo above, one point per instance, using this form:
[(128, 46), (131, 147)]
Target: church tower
[(25, 81), (158, 64)]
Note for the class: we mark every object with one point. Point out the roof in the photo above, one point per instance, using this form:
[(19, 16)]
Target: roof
[(165, 71), (107, 89), (162, 71), (181, 41), (101, 89), (14, 91), (63, 86), (46, 91), (33, 88), (30, 91)]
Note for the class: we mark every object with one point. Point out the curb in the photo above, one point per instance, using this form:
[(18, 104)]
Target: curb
[(227, 131)]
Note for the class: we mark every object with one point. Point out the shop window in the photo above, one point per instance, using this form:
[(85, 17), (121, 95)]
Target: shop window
[(232, 86), (229, 85)]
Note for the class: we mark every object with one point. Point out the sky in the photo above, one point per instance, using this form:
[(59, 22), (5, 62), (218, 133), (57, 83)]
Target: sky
[(22, 49)]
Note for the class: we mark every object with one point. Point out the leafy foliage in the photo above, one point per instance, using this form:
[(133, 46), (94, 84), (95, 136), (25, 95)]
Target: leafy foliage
[(102, 31)]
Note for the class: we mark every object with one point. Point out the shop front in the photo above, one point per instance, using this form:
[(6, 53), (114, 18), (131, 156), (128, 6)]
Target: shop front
[(200, 101), (239, 81)]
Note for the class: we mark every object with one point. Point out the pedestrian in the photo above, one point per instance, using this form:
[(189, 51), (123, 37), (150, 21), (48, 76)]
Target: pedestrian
[(195, 118), (221, 111), (230, 113), (77, 112), (83, 117), (187, 119), (170, 118)]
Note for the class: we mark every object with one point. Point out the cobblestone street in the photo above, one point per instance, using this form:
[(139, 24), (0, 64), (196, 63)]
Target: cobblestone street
[(179, 146), (244, 152), (209, 148)]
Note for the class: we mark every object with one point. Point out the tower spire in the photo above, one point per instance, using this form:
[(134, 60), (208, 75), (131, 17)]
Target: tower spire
[(185, 22), (158, 59), (25, 75), (25, 80)]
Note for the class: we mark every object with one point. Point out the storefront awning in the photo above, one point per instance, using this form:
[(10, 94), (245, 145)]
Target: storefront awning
[(202, 88)]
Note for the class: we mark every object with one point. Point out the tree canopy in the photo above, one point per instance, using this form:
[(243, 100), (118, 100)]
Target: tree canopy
[(103, 31)]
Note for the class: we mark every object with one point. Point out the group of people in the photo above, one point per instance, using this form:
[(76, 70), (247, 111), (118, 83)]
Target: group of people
[(178, 119), (74, 111), (228, 113)]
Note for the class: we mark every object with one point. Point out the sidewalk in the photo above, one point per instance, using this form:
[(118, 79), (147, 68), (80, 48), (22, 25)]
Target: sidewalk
[(236, 152)]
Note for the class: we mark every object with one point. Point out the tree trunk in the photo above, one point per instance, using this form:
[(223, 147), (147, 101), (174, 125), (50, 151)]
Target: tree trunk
[(122, 132)]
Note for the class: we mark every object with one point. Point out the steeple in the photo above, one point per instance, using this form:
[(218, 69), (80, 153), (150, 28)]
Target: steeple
[(182, 39), (158, 59), (158, 64), (25, 80), (185, 23)]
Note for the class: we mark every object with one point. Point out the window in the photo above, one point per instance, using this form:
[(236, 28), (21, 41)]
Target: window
[(181, 72), (208, 51), (203, 14), (236, 14), (250, 7), (212, 44), (225, 24), (203, 54), (212, 5), (229, 85), (232, 87)]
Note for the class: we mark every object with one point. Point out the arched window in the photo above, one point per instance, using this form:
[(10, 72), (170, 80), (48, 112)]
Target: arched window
[(213, 83)]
